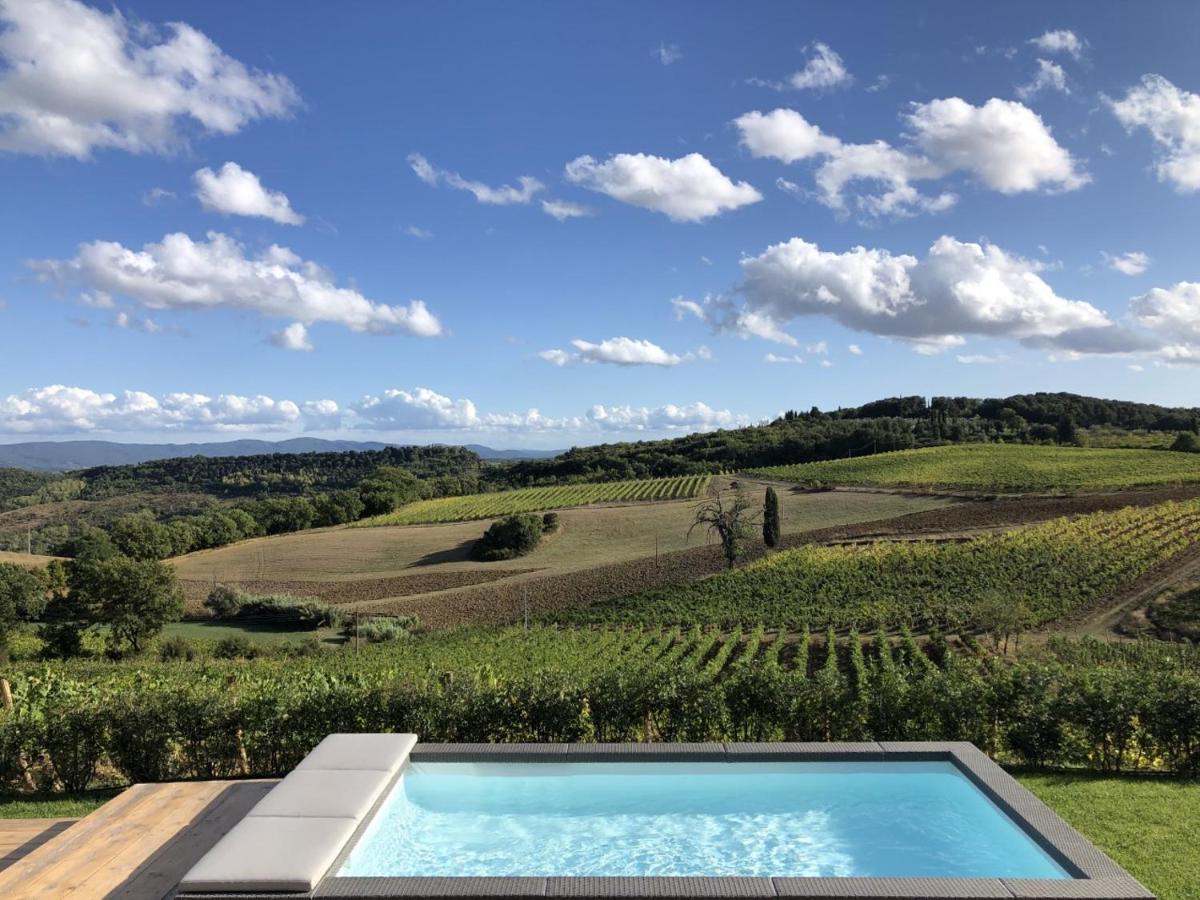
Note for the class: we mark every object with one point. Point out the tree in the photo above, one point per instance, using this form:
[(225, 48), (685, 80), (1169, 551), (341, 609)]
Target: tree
[(140, 536), (1066, 430), (771, 519), (509, 537), (726, 515), (338, 507), (1186, 442), (134, 598), (388, 487)]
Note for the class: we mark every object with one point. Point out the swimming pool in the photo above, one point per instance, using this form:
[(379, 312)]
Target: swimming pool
[(383, 816), (810, 819)]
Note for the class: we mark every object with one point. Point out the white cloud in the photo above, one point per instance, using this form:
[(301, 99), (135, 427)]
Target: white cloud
[(1172, 116), (216, 273), (1133, 262), (1060, 41), (688, 189), (618, 351), (667, 53), (1173, 312), (775, 359), (958, 288), (74, 79), (294, 337), (1049, 76), (823, 70), (59, 409), (504, 195), (1134, 367), (565, 209), (235, 191), (880, 83), (980, 359), (155, 196), (132, 322), (423, 234), (854, 349), (1004, 144)]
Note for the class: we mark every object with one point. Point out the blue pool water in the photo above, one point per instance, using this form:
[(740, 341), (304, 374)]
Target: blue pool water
[(765, 819)]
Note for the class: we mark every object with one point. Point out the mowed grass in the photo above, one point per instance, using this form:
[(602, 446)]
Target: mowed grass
[(1000, 468), (539, 499), (61, 806), (1148, 825), (588, 536)]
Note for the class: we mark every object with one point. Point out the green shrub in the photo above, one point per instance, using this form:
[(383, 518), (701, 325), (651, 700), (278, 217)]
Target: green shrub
[(236, 647), (379, 629), (75, 739), (176, 648), (224, 601), (508, 538), (549, 521)]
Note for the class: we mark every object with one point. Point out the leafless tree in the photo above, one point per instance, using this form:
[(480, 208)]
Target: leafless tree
[(727, 514)]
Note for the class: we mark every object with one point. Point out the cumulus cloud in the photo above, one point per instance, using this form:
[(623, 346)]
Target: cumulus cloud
[(620, 351), (1060, 41), (60, 409), (216, 273), (504, 195), (957, 288), (74, 79), (688, 189), (565, 209), (1133, 262), (1004, 144), (823, 70), (1173, 313), (156, 196), (294, 337), (1049, 76), (1172, 116), (854, 349), (235, 191)]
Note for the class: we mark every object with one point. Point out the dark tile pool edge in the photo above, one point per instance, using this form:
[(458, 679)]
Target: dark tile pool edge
[(1100, 878)]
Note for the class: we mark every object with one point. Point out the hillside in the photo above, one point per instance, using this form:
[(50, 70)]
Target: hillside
[(65, 456), (999, 468)]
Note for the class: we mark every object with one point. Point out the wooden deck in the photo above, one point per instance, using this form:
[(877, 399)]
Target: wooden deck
[(138, 845)]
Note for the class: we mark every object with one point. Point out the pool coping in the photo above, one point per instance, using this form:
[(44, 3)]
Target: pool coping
[(1096, 877)]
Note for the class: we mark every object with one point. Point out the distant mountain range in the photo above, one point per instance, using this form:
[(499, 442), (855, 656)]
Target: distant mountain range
[(58, 456)]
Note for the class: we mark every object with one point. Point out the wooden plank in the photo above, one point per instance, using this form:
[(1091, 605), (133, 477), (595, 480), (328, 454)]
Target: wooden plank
[(138, 845), (20, 837)]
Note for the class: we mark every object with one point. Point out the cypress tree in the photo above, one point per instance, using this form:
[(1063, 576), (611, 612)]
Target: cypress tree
[(771, 519)]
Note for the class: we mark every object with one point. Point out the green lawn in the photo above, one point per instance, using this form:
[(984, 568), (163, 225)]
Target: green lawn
[(1149, 825), (66, 806), (255, 631)]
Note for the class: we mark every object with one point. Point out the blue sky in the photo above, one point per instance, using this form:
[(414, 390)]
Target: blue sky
[(1021, 179)]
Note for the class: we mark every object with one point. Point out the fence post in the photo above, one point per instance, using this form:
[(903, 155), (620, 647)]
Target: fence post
[(6, 693)]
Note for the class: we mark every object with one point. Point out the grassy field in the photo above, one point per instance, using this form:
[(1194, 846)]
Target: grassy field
[(352, 565), (29, 560), (538, 499), (1148, 825), (1052, 569), (1000, 468)]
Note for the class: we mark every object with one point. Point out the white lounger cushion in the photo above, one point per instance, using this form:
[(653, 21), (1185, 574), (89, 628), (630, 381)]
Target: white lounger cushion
[(360, 751), (293, 835), (324, 793), (271, 853)]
